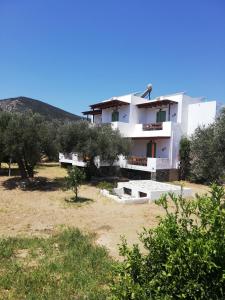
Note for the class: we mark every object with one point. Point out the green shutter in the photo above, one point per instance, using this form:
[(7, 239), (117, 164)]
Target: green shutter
[(115, 116), (161, 116)]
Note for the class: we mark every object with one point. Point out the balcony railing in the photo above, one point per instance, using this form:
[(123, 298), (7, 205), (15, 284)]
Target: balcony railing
[(152, 126), (138, 161)]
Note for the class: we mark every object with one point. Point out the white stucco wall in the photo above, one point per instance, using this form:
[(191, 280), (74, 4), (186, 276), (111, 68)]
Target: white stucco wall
[(200, 114), (139, 148), (124, 113), (98, 119)]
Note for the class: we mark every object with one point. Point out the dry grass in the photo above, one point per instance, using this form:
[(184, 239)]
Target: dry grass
[(42, 211)]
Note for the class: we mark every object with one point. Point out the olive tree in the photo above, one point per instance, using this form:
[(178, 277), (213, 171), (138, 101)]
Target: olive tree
[(24, 138), (92, 141), (206, 159)]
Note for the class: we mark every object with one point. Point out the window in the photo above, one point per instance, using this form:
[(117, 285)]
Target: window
[(142, 194), (115, 116), (127, 191), (161, 116)]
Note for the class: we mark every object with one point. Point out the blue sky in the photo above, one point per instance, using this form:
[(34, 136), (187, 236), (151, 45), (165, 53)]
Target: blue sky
[(75, 53)]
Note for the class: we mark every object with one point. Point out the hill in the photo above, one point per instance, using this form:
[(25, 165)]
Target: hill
[(24, 104)]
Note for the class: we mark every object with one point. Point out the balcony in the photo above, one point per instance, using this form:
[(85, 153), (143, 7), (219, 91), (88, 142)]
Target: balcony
[(152, 126), (148, 164), (163, 129), (137, 161), (72, 158)]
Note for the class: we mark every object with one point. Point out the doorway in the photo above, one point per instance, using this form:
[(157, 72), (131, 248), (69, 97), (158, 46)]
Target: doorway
[(151, 149)]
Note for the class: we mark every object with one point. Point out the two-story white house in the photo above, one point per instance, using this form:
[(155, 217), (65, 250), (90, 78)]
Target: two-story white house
[(155, 128)]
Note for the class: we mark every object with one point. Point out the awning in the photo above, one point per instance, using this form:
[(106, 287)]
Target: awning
[(157, 103), (108, 104), (92, 112)]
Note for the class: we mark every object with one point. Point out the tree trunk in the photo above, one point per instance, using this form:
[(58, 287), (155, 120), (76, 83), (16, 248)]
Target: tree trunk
[(22, 168), (30, 170), (76, 192), (91, 169)]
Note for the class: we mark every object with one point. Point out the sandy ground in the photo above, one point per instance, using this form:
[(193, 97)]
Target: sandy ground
[(43, 212)]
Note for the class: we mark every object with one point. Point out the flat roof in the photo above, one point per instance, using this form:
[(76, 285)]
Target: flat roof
[(156, 103), (108, 104)]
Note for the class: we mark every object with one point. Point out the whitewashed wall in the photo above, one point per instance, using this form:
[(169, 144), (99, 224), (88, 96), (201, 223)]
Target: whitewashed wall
[(200, 114), (139, 148)]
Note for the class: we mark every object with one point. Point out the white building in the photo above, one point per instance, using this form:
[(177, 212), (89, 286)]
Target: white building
[(155, 128)]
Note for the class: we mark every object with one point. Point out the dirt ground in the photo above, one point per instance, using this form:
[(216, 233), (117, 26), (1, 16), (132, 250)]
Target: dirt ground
[(44, 210)]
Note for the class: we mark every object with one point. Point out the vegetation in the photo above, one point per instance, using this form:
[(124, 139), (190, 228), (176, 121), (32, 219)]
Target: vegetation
[(202, 157), (65, 266), (104, 185), (184, 154), (26, 105), (207, 152), (24, 139), (91, 142), (206, 160), (185, 256), (75, 178)]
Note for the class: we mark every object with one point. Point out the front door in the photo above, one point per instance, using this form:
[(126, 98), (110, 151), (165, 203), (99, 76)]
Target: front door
[(151, 149)]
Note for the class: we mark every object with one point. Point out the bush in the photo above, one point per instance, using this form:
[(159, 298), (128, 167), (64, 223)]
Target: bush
[(104, 185), (74, 179), (185, 256)]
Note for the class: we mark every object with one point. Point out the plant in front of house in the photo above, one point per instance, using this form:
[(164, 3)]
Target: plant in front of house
[(184, 155), (185, 253), (74, 179)]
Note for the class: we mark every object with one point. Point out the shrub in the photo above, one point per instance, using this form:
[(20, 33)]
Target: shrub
[(104, 185), (74, 179), (185, 256)]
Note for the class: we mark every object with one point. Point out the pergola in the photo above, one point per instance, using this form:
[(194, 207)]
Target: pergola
[(109, 104), (98, 107), (157, 103)]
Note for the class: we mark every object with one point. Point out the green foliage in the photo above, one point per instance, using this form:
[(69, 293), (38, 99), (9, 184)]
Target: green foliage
[(207, 152), (65, 266), (104, 185), (75, 178), (184, 156), (185, 253), (219, 135), (206, 160), (25, 138), (92, 141)]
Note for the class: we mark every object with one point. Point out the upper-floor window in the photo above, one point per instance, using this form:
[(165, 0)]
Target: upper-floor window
[(161, 116), (115, 116)]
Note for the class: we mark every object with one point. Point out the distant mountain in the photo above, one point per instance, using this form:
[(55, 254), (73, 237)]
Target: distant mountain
[(24, 104)]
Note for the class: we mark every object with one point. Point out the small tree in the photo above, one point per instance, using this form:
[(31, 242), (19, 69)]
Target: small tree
[(74, 179), (184, 156), (185, 254)]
